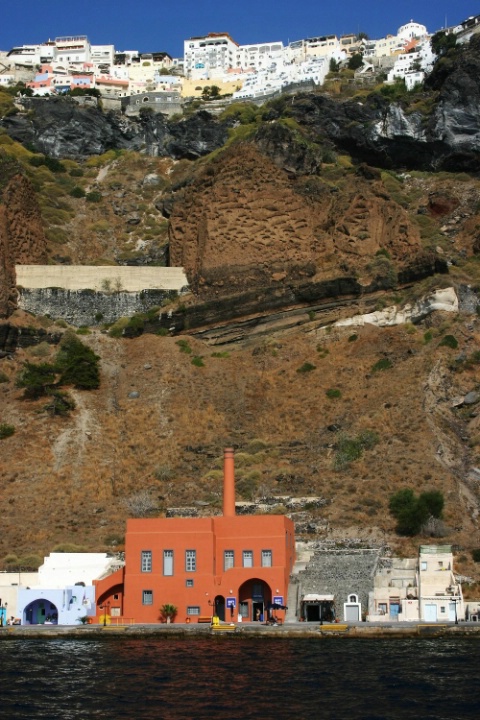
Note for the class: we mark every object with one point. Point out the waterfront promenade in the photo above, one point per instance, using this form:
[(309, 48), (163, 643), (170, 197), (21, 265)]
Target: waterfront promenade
[(252, 630)]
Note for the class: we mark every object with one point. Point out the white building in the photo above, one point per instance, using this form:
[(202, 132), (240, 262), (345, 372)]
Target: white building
[(280, 75), (412, 66), (102, 56), (209, 56), (440, 594), (62, 590), (72, 49), (418, 589), (258, 57), (30, 55), (411, 31)]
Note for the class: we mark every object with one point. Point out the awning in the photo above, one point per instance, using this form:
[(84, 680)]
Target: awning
[(318, 598)]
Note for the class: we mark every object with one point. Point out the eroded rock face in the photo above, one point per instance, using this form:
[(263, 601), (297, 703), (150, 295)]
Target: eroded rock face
[(245, 223), (22, 239), (7, 269)]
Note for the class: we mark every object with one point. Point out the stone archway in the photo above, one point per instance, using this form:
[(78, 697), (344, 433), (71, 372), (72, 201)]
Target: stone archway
[(39, 612), (254, 596)]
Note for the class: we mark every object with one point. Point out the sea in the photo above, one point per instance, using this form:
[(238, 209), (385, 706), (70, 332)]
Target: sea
[(232, 678)]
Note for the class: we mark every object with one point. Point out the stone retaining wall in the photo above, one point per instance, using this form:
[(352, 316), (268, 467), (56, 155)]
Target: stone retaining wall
[(87, 307), (340, 572)]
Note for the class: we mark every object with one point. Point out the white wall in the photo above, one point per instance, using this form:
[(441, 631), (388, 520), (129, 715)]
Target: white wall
[(85, 277), (62, 569)]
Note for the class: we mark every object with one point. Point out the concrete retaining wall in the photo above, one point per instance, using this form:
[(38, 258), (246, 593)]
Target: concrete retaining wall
[(101, 277)]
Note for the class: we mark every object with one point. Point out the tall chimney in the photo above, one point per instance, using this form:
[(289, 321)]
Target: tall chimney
[(228, 483)]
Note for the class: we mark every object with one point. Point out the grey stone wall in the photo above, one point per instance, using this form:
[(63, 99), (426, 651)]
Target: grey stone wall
[(340, 572), (87, 307), (168, 103)]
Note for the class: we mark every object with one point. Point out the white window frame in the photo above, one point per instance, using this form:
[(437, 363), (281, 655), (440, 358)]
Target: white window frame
[(247, 558), (168, 559), (193, 609), (267, 558), (146, 561), (147, 597), (190, 560), (228, 559)]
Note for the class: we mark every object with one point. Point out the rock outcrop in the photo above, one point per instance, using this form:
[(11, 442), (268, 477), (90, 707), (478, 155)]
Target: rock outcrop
[(60, 128), (22, 239), (243, 223)]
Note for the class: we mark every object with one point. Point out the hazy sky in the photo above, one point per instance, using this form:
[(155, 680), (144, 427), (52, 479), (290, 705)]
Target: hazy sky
[(146, 25)]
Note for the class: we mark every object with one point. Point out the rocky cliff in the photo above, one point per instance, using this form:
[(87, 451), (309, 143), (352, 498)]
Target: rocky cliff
[(60, 128), (283, 232), (248, 220), (22, 239), (438, 130)]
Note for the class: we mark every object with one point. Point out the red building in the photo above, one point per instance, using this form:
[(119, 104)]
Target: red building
[(227, 565)]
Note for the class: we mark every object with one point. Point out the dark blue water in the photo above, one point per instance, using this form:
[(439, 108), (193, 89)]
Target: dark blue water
[(231, 678)]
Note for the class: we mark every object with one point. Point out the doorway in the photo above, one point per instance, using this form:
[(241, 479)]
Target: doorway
[(257, 611), (220, 607), (40, 612), (254, 596), (394, 610)]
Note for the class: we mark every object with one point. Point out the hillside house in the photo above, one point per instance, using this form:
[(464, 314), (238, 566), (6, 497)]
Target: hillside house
[(417, 589)]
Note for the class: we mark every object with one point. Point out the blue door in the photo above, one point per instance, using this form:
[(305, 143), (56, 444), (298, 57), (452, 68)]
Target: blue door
[(394, 610)]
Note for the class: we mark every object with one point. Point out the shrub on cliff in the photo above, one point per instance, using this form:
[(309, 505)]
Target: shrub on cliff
[(348, 449), (52, 164), (6, 430), (412, 512), (77, 364), (36, 379)]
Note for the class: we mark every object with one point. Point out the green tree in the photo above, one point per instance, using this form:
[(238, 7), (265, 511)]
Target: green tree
[(442, 42), (37, 380), (412, 512), (77, 364), (355, 61), (334, 66), (433, 501)]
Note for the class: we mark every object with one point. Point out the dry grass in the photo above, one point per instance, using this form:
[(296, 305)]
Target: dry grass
[(65, 480)]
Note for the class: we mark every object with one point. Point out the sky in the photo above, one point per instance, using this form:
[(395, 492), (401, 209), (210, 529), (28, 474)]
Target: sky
[(150, 26)]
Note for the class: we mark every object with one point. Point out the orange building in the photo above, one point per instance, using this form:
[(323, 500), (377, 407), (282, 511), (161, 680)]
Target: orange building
[(230, 565)]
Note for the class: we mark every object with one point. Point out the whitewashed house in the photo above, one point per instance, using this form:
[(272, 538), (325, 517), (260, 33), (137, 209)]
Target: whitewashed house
[(423, 588), (440, 594), (63, 591)]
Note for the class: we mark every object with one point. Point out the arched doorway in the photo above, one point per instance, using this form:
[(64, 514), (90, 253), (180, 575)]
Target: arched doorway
[(220, 607), (253, 597), (39, 612)]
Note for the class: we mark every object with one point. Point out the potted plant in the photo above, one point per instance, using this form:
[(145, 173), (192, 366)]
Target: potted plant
[(168, 612)]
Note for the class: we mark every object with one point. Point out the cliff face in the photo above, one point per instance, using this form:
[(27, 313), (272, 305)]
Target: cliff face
[(22, 239), (442, 133), (244, 223), (62, 129), (7, 269)]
